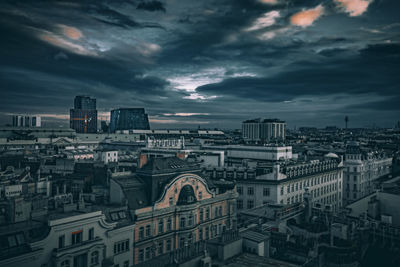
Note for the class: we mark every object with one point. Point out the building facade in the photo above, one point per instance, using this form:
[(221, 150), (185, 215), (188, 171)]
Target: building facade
[(83, 117), (361, 168), (86, 239), (263, 130), (129, 119), (174, 206), (26, 121), (286, 184)]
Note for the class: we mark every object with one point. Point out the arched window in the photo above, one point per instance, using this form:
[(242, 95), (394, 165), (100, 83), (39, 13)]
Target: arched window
[(186, 196), (94, 258), (65, 263)]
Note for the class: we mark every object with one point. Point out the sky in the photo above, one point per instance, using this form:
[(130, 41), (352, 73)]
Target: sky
[(204, 63)]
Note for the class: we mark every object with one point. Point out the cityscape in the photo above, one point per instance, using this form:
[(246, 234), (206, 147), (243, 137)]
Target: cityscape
[(200, 133)]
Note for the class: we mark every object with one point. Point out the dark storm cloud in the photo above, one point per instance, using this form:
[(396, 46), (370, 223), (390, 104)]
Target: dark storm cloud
[(374, 70), (202, 62), (389, 104), (151, 6)]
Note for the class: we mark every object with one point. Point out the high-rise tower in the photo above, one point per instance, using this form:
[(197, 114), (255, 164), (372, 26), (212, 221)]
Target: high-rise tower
[(83, 117)]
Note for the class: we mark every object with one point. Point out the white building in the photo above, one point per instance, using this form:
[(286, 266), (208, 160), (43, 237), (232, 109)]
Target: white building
[(286, 183), (263, 153), (107, 156), (361, 169), (26, 121), (12, 190), (166, 143), (85, 239)]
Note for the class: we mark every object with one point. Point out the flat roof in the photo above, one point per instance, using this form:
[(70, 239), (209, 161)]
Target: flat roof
[(247, 259)]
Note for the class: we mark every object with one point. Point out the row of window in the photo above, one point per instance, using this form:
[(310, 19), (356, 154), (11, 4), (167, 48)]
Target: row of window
[(166, 245), (94, 260), (121, 246), (310, 182), (250, 191), (146, 254), (185, 221), (76, 237), (250, 204), (307, 170)]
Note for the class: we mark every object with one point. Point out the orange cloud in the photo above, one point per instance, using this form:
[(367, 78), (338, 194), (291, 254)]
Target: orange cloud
[(266, 20), (71, 32), (354, 7), (67, 45), (306, 18), (269, 2)]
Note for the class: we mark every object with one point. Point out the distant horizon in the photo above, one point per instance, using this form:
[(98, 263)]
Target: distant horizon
[(64, 123), (207, 63)]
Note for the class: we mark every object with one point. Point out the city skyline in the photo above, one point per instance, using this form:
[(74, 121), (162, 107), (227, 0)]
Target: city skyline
[(191, 63)]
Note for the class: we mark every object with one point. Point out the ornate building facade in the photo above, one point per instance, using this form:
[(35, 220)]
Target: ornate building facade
[(184, 208)]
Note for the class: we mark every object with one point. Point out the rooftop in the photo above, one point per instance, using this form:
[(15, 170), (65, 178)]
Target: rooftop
[(247, 259)]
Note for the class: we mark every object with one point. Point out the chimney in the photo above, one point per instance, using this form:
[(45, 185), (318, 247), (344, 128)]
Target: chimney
[(142, 160)]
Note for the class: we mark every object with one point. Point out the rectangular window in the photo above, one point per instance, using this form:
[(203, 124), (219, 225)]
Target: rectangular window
[(201, 215), (61, 241), (160, 248), (168, 245), (169, 224), (148, 230), (250, 204), (190, 220), (161, 226), (77, 237), (91, 234), (147, 253), (181, 242), (171, 201), (250, 191), (141, 255), (182, 223), (121, 246), (126, 263), (266, 191), (240, 204), (281, 190), (141, 232), (207, 213)]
